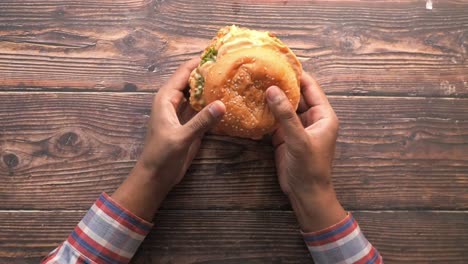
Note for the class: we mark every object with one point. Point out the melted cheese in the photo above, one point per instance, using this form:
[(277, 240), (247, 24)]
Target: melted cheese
[(243, 38), (232, 39)]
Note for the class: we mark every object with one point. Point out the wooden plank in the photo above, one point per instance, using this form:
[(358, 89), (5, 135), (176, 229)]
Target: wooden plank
[(246, 237), (19, 13), (69, 45), (61, 150), (353, 47)]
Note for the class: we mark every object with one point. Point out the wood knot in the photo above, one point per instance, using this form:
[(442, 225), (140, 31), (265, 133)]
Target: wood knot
[(59, 12), (129, 40), (68, 139), (68, 144), (154, 68), (11, 160), (141, 42), (350, 43), (130, 87)]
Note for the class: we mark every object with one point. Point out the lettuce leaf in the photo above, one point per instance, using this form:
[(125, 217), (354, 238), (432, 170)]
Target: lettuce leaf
[(210, 55), (200, 85)]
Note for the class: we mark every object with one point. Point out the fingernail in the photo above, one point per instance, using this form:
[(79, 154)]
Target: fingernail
[(216, 109), (273, 94)]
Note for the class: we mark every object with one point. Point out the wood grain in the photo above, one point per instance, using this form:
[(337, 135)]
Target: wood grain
[(245, 237), (353, 47), (60, 150), (72, 126)]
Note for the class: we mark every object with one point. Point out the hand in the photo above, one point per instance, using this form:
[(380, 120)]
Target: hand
[(175, 130), (172, 140), (304, 149)]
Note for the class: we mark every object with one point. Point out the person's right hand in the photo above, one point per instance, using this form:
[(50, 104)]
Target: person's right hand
[(173, 139), (304, 149)]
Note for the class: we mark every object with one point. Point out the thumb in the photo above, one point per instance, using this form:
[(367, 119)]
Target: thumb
[(285, 114), (205, 119)]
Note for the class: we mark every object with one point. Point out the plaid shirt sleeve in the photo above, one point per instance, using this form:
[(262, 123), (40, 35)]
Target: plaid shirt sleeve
[(108, 233), (341, 243)]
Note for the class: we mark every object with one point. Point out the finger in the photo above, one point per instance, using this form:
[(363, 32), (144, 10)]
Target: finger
[(277, 138), (192, 152), (329, 126), (179, 79), (317, 101), (172, 91), (285, 115), (186, 113), (304, 117), (204, 120), (310, 89), (179, 104), (168, 105), (302, 105)]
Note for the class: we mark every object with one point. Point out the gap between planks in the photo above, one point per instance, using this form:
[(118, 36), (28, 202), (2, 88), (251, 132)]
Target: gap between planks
[(81, 91), (452, 211)]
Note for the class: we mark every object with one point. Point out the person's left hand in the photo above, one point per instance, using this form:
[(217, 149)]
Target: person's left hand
[(172, 140)]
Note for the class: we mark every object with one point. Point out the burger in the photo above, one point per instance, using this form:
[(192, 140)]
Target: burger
[(237, 68)]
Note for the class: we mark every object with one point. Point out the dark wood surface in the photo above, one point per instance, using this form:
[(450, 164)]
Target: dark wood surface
[(76, 83), (189, 236), (387, 156), (371, 47)]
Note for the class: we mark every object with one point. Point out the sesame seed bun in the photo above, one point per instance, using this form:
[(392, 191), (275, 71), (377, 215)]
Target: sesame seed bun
[(237, 68)]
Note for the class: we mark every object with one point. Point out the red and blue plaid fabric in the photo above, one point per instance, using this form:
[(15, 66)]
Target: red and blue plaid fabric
[(341, 243), (108, 233)]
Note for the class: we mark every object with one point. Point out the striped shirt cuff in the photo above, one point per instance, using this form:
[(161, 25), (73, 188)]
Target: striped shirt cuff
[(341, 243), (108, 233)]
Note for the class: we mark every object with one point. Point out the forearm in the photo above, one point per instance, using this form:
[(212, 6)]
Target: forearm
[(331, 234), (318, 209), (114, 227), (142, 193)]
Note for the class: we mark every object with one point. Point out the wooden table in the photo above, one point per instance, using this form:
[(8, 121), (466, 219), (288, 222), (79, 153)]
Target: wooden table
[(76, 83)]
